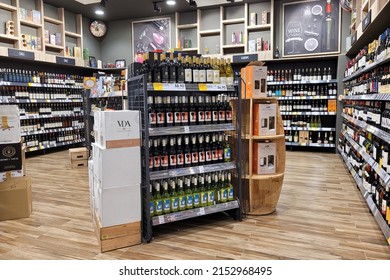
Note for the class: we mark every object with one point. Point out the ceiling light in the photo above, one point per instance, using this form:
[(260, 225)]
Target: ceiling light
[(171, 2), (99, 12), (103, 3), (192, 3), (156, 8)]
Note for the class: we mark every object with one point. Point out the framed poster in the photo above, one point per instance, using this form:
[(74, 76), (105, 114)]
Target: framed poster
[(151, 35), (311, 27)]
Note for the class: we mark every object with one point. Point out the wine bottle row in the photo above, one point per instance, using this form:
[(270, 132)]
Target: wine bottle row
[(302, 121), (177, 111), (53, 138), (301, 90), (310, 138), (28, 76), (102, 104), (369, 112), (304, 74), (11, 92), (188, 151), (373, 82), (304, 106), (40, 125), (164, 69), (185, 193), (34, 109)]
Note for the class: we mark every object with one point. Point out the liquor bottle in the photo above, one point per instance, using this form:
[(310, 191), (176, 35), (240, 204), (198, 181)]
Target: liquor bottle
[(158, 201), (222, 72), (331, 139), (385, 157), (174, 197), (229, 73), (319, 141), (194, 151), (230, 187), (176, 110), (164, 68), (223, 188), (228, 110), (201, 111), (326, 141), (208, 150), (202, 191), (216, 71), (184, 109), (277, 53), (202, 71), (169, 116), (151, 156), (180, 69), (218, 187), (214, 111), (195, 192), (221, 110), (214, 149), (227, 157), (181, 195), (172, 154), (220, 147), (328, 29), (172, 64), (166, 198), (179, 153), (151, 202), (156, 70), (188, 194), (209, 72), (210, 192), (201, 150), (187, 152), (152, 112), (195, 70), (188, 70), (193, 113), (145, 68), (164, 154), (156, 156), (160, 112), (207, 111)]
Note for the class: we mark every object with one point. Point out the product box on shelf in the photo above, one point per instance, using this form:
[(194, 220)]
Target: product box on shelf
[(13, 162), (255, 78), (303, 137), (264, 119), (117, 167), (332, 105), (15, 198), (117, 129), (9, 124), (264, 158)]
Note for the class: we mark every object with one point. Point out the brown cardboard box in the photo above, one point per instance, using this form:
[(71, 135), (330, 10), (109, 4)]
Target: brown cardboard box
[(15, 198), (79, 163), (255, 78), (332, 105), (264, 119), (78, 154)]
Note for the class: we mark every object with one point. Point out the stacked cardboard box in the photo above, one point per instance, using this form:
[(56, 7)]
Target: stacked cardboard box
[(15, 187), (78, 157), (115, 179)]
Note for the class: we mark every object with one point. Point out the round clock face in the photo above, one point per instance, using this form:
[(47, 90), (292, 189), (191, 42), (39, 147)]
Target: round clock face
[(98, 28)]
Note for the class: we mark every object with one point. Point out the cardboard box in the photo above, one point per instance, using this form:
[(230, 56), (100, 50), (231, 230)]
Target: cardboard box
[(264, 119), (15, 198), (253, 20), (255, 78), (9, 124), (59, 39), (117, 167), (79, 164), (252, 46), (91, 181), (117, 129), (115, 237), (332, 106), (264, 158), (52, 39), (78, 154), (46, 35), (118, 205), (36, 16), (259, 44)]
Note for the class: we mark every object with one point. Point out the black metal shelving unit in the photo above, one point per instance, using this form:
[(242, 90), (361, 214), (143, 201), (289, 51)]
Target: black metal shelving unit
[(138, 92)]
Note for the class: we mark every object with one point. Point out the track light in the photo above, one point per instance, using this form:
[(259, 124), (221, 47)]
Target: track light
[(193, 3), (156, 8)]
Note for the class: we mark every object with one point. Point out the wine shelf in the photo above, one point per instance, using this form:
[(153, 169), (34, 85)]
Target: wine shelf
[(2, 83), (155, 87), (367, 158), (164, 174), (377, 97), (34, 117), (196, 212), (174, 130), (310, 128), (374, 210), (369, 128), (368, 68), (311, 145), (21, 101), (301, 82), (308, 113), (61, 144), (317, 97), (54, 130)]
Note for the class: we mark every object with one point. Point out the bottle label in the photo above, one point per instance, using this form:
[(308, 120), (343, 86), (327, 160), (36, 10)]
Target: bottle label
[(159, 206), (384, 206), (180, 159), (223, 80), (167, 205), (220, 154), (195, 74), (187, 159), (216, 78), (175, 203), (196, 199), (193, 117), (201, 117), (151, 161), (211, 197), (182, 202), (204, 198), (151, 206), (202, 76), (215, 116), (224, 195), (177, 117), (229, 115), (164, 161), (188, 75), (189, 201), (157, 161), (209, 156), (215, 155), (209, 76), (160, 118), (172, 160), (194, 158), (202, 156), (221, 116), (229, 81), (169, 118), (207, 116), (230, 193)]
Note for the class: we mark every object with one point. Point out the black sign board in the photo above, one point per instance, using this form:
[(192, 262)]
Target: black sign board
[(354, 38), (21, 54), (366, 21), (10, 157), (65, 60), (245, 58)]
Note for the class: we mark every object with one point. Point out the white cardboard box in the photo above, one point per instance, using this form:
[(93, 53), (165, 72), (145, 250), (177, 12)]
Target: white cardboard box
[(9, 124), (120, 205), (117, 129), (91, 180), (264, 119), (264, 158), (116, 167)]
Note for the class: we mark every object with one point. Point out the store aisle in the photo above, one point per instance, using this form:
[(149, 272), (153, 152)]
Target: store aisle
[(321, 215)]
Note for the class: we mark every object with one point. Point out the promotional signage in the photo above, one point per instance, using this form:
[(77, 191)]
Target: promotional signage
[(21, 54), (10, 157), (65, 60), (245, 58)]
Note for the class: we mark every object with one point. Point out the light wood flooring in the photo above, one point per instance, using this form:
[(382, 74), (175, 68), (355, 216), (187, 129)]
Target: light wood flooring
[(321, 215)]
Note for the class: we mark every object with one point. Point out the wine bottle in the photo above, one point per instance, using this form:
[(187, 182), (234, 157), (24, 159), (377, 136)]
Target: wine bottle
[(158, 201), (174, 197)]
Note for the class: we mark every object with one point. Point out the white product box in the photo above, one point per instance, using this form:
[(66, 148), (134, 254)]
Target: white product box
[(120, 205), (264, 119), (9, 124), (116, 167), (264, 158), (117, 129), (252, 46), (91, 188)]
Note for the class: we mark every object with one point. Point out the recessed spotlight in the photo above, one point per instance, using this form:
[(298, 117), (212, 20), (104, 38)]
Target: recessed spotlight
[(99, 12), (171, 2)]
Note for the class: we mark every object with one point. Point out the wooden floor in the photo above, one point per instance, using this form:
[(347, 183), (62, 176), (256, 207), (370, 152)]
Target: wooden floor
[(321, 215)]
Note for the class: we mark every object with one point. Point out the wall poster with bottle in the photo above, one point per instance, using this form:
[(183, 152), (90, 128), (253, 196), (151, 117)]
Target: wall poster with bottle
[(151, 35), (311, 27)]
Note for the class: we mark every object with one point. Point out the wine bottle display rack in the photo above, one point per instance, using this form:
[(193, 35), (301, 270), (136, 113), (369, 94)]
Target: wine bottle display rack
[(155, 100)]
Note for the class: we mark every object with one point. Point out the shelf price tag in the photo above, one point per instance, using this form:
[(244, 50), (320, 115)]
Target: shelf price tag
[(161, 220), (201, 211), (201, 169), (158, 86), (174, 87), (187, 129), (212, 87)]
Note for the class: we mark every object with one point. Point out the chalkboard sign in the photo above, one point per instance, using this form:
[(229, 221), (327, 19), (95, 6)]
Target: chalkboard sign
[(311, 27)]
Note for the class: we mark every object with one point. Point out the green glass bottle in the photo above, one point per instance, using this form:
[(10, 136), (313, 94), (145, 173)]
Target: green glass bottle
[(217, 187), (158, 201), (151, 202), (166, 198), (174, 197), (181, 195), (188, 193), (224, 188), (227, 155), (230, 187), (202, 191), (210, 192), (195, 192)]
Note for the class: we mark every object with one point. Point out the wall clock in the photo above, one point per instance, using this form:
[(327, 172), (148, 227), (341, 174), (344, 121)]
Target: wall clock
[(98, 28)]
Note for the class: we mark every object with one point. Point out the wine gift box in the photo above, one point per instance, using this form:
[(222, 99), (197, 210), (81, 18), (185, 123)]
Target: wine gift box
[(264, 158), (264, 119), (255, 78), (9, 124)]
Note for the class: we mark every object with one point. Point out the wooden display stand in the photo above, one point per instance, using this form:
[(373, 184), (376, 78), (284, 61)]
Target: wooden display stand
[(264, 190)]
